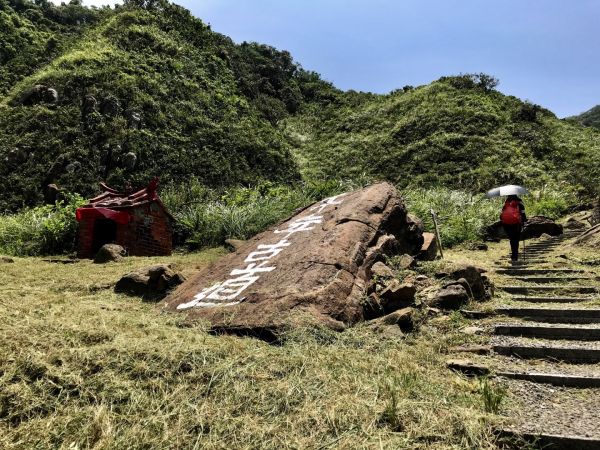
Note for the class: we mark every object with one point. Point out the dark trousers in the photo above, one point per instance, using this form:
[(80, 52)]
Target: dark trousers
[(514, 235)]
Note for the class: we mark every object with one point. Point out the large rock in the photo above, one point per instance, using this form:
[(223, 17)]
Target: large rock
[(538, 225), (151, 283), (312, 269), (450, 297), (109, 253)]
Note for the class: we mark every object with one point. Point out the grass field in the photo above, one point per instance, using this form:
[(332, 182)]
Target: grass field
[(83, 367)]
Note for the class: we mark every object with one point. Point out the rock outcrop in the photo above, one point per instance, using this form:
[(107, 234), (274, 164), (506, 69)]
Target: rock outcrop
[(312, 269)]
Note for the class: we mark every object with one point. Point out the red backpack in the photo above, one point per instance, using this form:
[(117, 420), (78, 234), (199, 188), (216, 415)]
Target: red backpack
[(511, 213)]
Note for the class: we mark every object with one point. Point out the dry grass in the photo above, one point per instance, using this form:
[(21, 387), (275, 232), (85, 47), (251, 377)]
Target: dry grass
[(83, 367)]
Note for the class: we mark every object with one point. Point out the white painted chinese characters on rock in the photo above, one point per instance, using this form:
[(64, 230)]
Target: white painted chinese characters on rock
[(310, 269), (225, 293)]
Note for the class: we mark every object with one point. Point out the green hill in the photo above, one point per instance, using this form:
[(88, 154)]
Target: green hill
[(589, 118), (147, 89), (143, 90), (457, 131)]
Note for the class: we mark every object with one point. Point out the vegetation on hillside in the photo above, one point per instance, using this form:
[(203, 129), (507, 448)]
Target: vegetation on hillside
[(457, 132), (589, 118), (147, 90)]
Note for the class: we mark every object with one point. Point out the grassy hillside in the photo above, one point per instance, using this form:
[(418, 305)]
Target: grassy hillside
[(145, 90), (457, 131), (589, 118)]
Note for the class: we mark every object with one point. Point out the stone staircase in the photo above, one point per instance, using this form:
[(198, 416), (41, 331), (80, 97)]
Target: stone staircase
[(546, 343)]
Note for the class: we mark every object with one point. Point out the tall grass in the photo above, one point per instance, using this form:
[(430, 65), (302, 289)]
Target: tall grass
[(48, 229), (208, 217), (462, 216)]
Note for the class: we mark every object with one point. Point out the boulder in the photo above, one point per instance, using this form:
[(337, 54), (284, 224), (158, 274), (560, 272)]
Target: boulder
[(450, 297), (574, 224), (311, 269), (397, 295), (461, 282), (109, 253), (403, 319), (151, 283), (474, 279), (538, 225), (38, 94), (380, 270), (429, 248)]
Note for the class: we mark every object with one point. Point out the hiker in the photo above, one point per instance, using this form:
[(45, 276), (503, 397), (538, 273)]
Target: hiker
[(513, 217)]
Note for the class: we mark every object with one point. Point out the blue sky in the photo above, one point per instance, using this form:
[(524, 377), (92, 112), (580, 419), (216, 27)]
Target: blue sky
[(545, 51)]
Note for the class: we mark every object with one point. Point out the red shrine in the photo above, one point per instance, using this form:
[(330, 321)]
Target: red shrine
[(139, 222)]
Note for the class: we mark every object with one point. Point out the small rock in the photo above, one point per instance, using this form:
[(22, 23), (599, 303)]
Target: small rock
[(467, 367), (6, 260), (472, 275), (129, 160), (397, 295), (440, 275), (472, 330), (403, 319), (234, 245), (39, 94), (108, 253), (152, 282), (450, 297), (380, 270), (460, 282), (481, 246), (406, 262), (421, 278)]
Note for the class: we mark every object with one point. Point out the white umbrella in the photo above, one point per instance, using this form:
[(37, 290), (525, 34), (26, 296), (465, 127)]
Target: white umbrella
[(510, 189)]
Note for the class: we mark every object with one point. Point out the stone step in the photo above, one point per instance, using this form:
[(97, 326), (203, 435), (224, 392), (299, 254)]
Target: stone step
[(549, 332), (528, 271), (575, 355), (551, 279), (552, 299), (548, 441), (555, 379), (553, 315), (552, 288)]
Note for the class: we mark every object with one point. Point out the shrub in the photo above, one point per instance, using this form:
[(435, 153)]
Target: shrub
[(49, 229)]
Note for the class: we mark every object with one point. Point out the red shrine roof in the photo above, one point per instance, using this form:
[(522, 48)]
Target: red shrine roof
[(113, 199)]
